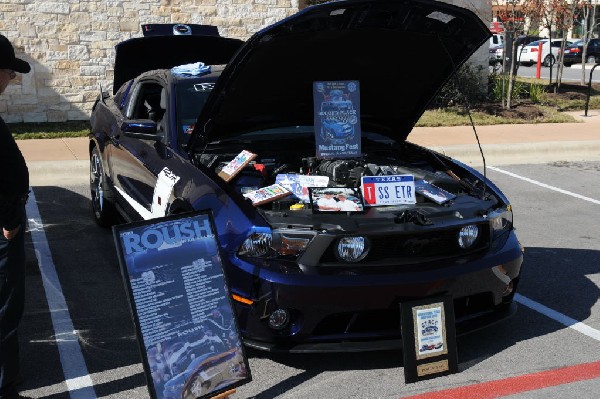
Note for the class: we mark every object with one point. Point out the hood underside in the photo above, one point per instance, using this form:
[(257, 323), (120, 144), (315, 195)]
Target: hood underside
[(401, 52), (142, 54)]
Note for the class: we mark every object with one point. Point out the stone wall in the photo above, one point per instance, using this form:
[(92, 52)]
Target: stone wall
[(70, 44)]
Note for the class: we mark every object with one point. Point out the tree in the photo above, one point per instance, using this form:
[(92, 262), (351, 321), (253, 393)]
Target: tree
[(588, 9), (565, 13), (511, 14)]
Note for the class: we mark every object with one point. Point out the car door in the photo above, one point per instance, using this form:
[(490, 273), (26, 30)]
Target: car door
[(136, 159)]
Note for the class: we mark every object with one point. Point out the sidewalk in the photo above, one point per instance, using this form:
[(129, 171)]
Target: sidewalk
[(67, 159)]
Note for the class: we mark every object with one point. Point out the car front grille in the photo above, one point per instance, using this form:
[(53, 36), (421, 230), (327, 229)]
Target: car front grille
[(413, 248), (387, 321)]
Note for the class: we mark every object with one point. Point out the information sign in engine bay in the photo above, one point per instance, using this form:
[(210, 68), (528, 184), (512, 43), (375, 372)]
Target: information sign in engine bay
[(388, 190)]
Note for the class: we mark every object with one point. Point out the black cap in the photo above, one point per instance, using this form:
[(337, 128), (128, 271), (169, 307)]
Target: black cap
[(8, 59)]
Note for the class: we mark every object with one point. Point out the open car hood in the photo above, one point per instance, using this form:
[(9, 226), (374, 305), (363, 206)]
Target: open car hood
[(142, 54), (401, 52)]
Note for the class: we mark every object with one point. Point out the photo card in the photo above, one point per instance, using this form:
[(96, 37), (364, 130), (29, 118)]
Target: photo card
[(335, 199)]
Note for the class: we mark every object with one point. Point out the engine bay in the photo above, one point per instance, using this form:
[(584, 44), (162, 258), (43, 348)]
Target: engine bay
[(468, 194)]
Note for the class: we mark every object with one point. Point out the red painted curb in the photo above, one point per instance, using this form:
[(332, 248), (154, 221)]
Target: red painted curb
[(514, 385)]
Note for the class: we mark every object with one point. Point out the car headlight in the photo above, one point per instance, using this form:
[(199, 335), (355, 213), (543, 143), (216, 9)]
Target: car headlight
[(266, 243), (501, 220), (258, 244)]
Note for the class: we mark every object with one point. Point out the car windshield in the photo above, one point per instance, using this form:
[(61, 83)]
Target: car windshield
[(536, 43), (190, 98)]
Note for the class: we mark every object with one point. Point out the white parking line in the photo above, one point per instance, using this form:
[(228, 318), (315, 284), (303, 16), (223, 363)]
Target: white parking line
[(560, 190), (74, 368), (557, 316), (538, 307)]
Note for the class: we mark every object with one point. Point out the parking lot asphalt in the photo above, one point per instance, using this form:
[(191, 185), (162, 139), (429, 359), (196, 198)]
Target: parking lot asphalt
[(67, 158)]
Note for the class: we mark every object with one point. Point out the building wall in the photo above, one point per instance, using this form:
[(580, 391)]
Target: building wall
[(70, 44), (483, 8)]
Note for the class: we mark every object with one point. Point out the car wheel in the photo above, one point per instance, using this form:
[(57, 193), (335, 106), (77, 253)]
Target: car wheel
[(104, 211), (591, 59), (549, 60)]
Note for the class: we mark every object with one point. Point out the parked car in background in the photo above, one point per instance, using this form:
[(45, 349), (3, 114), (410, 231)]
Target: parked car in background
[(496, 40), (574, 52), (496, 49), (529, 53), (497, 52)]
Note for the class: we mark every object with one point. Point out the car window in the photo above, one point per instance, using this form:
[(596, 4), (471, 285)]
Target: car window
[(190, 98), (145, 102)]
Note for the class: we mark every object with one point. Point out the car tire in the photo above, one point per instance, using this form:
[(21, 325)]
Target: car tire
[(549, 60), (591, 59), (104, 211)]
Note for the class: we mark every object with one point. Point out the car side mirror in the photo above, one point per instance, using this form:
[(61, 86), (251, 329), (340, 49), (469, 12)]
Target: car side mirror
[(145, 129)]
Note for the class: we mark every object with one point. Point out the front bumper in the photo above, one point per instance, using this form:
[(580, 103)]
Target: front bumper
[(362, 312)]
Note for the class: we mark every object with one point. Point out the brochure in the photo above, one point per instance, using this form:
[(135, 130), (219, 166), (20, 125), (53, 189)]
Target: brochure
[(434, 193), (299, 184)]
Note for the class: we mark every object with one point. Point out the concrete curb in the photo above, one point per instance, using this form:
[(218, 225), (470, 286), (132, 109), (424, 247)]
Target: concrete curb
[(50, 173), (506, 154), (45, 173)]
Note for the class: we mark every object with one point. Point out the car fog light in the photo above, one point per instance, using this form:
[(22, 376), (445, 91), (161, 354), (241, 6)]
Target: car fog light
[(468, 236), (279, 319), (352, 249)]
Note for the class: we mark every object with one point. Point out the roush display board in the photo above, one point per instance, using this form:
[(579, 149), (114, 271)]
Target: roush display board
[(181, 306)]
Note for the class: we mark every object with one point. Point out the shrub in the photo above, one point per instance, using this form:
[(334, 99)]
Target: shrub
[(464, 87), (536, 92)]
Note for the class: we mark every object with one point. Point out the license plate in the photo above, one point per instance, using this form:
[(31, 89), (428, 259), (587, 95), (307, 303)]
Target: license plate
[(388, 190)]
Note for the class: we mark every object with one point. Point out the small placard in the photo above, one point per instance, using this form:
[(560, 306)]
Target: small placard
[(337, 119), (236, 165), (433, 192), (429, 338), (267, 194), (388, 190)]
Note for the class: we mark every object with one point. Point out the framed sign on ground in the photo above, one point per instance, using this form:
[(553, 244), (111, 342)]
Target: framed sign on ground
[(429, 338), (181, 306)]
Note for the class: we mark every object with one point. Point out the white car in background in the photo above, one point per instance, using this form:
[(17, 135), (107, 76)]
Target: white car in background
[(528, 54)]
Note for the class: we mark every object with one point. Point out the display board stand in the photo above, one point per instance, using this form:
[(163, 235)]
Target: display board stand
[(429, 338), (181, 307)]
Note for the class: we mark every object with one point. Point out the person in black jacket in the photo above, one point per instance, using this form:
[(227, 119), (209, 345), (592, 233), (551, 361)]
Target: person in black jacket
[(14, 188)]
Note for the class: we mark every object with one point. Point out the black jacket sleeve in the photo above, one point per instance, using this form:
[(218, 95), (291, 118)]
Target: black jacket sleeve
[(14, 180)]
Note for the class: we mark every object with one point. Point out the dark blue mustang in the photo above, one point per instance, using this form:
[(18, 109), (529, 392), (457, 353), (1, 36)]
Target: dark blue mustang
[(184, 106)]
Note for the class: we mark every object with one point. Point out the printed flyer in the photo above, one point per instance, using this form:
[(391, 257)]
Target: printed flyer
[(181, 306), (430, 334), (337, 119)]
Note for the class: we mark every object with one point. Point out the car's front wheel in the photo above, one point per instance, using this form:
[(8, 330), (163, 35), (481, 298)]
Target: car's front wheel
[(591, 59), (104, 211)]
